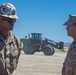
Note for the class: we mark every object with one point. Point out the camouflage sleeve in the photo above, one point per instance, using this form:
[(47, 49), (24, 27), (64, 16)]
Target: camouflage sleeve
[(63, 69), (68, 66), (19, 46), (74, 67), (2, 68)]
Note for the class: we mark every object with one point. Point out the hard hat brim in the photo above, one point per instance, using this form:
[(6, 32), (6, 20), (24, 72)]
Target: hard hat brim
[(10, 16)]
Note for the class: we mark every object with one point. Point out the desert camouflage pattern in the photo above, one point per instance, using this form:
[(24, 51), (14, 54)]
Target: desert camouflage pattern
[(9, 54), (69, 65)]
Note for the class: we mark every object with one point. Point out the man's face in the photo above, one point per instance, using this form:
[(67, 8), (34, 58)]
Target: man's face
[(7, 23), (71, 30)]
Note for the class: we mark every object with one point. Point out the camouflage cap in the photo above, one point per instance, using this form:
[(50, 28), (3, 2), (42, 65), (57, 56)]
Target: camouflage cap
[(71, 20)]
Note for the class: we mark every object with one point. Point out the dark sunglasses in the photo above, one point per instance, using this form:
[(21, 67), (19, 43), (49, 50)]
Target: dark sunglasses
[(10, 20)]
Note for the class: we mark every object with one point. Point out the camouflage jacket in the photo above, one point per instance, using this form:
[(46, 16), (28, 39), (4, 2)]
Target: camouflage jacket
[(69, 65), (9, 54)]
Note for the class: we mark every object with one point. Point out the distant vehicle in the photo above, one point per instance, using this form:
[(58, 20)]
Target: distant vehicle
[(34, 43)]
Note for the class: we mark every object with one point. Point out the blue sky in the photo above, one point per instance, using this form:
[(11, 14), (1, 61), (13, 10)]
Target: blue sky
[(43, 16)]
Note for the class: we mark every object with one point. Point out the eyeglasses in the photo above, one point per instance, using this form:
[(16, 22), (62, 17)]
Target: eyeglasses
[(9, 20)]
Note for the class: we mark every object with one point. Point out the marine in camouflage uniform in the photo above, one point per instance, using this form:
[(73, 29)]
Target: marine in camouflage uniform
[(10, 45), (9, 54), (69, 65)]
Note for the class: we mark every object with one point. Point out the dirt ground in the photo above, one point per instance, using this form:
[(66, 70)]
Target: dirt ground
[(39, 64)]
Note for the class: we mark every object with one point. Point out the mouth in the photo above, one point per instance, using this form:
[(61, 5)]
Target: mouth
[(11, 25)]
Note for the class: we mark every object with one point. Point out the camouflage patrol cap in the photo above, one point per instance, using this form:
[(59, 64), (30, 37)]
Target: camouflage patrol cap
[(71, 20)]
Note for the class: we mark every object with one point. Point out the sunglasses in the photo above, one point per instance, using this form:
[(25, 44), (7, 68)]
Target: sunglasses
[(9, 20)]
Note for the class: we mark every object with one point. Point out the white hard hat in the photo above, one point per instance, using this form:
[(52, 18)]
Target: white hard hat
[(8, 10)]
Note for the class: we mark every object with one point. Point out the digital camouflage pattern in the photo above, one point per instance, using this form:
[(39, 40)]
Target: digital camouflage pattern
[(69, 65), (9, 54)]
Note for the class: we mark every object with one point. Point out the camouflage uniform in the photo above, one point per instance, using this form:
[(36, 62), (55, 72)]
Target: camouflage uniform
[(69, 65), (9, 54)]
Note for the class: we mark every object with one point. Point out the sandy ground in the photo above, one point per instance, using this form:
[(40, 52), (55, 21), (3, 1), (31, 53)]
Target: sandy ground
[(39, 64)]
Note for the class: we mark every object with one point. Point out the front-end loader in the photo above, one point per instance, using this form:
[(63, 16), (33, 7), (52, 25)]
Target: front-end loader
[(34, 43)]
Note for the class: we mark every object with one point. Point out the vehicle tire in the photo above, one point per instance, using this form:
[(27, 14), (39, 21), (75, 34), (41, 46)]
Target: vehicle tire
[(48, 50), (28, 49)]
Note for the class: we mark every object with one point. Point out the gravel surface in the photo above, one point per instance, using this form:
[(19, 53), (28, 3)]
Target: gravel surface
[(39, 64)]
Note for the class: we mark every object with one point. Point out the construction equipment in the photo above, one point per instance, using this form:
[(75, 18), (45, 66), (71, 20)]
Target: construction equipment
[(35, 43)]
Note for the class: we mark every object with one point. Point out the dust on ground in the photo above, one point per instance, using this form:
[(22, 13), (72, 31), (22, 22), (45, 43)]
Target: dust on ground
[(39, 64)]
